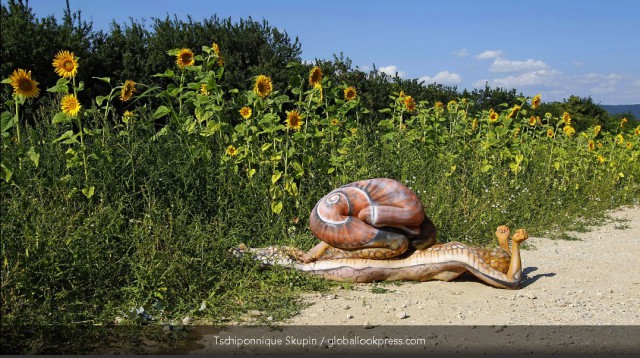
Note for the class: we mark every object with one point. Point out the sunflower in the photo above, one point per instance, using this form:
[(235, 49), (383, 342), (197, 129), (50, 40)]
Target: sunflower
[(535, 102), (548, 115), (601, 159), (462, 113), (294, 120), (550, 133), (493, 115), (591, 145), (515, 133), (65, 64), (623, 121), (629, 145), (315, 76), (600, 145), (566, 118), (569, 131), (127, 116), (514, 111), (127, 90), (245, 112), (350, 93), (533, 120), (596, 130), (23, 84), (401, 95), (216, 49), (231, 151), (409, 103), (354, 130), (263, 86), (203, 90), (637, 131), (619, 139), (185, 58), (474, 124), (334, 122), (452, 106), (439, 105), (70, 105)]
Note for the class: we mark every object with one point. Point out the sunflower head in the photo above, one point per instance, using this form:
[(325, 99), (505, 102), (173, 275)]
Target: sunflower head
[(294, 120), (350, 93), (127, 116), (516, 132), (623, 122), (409, 103), (127, 90), (601, 159), (637, 131), (566, 118), (514, 111), (216, 49), (452, 106), (315, 76), (232, 151), (401, 95), (65, 64), (535, 102), (263, 86), (619, 139), (23, 84), (591, 146), (70, 105), (596, 130), (203, 90), (245, 112), (629, 145), (184, 58), (550, 133), (493, 115), (335, 122), (569, 131), (532, 121)]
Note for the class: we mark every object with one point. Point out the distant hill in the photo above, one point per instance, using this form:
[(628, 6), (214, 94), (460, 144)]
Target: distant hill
[(623, 108)]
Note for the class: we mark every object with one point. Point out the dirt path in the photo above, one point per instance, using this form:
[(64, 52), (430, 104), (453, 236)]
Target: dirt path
[(579, 297), (591, 281)]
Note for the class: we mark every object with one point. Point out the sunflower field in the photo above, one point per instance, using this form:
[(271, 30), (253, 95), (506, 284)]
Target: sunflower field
[(108, 214)]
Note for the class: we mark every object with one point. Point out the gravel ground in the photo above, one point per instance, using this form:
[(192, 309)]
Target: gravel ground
[(594, 280)]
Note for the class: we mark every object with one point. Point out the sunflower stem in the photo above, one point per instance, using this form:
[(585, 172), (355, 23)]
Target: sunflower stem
[(17, 120)]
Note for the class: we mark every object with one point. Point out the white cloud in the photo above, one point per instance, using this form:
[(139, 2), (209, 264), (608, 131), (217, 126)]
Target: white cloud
[(535, 78), (503, 65), (488, 54), (605, 89), (636, 83), (480, 83), (460, 53), (611, 78), (391, 71), (445, 77)]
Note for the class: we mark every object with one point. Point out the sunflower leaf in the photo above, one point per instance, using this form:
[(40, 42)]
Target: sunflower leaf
[(34, 156), (61, 117), (104, 79)]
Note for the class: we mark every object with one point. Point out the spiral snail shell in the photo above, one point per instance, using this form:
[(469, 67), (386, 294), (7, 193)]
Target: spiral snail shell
[(375, 218)]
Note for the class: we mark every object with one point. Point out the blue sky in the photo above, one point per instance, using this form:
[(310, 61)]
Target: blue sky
[(556, 48)]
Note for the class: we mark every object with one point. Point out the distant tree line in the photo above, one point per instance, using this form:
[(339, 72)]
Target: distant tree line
[(137, 51)]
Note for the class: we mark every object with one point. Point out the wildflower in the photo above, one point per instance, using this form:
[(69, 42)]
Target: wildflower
[(245, 112), (619, 139), (318, 87), (65, 64), (23, 84), (569, 131), (474, 124), (203, 90), (591, 145), (629, 145), (70, 105), (623, 121), (452, 106), (231, 151), (315, 76), (596, 130), (409, 103), (263, 86), (354, 130), (185, 58), (566, 118), (533, 120), (550, 133), (127, 90), (535, 102), (334, 122), (514, 111), (294, 120), (601, 159), (493, 116), (350, 93)]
